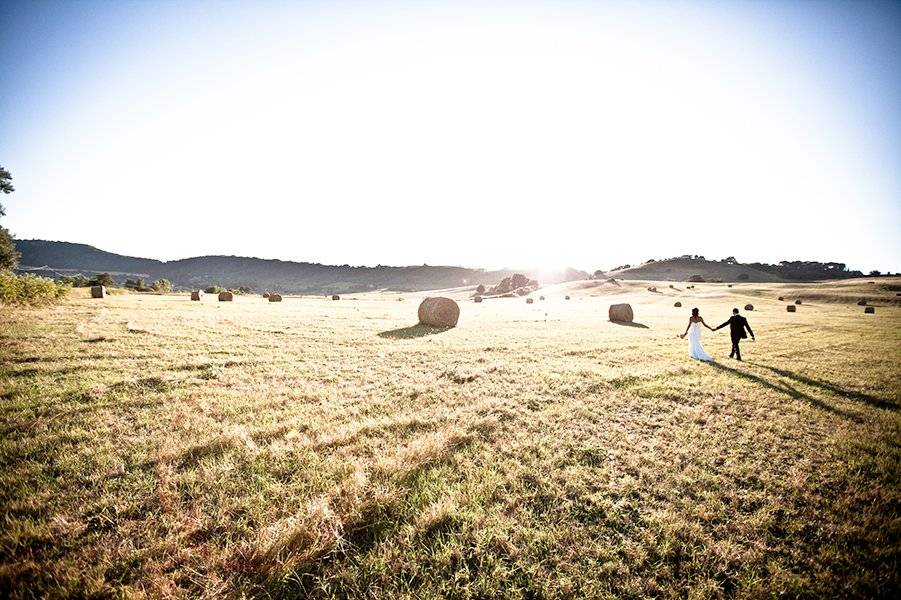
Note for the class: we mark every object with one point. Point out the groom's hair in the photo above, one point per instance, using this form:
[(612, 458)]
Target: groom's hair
[(734, 311)]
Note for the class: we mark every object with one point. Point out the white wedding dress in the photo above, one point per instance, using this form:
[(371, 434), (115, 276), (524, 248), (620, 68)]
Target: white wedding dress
[(695, 349)]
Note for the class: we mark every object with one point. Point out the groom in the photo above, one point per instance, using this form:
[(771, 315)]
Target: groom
[(737, 325)]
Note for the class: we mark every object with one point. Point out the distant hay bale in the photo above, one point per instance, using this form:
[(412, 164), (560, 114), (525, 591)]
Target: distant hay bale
[(477, 299), (671, 286), (620, 313), (541, 297), (265, 294), (861, 302), (870, 310), (566, 298), (530, 300), (781, 298), (653, 288), (226, 297), (275, 298), (798, 301), (196, 295), (336, 297), (439, 312), (749, 307), (98, 291), (678, 305), (730, 285), (791, 308)]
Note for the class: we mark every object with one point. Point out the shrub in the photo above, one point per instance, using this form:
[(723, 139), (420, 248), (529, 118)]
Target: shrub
[(104, 279), (29, 289), (214, 289), (162, 285)]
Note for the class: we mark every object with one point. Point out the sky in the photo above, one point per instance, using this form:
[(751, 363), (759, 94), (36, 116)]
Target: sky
[(483, 134)]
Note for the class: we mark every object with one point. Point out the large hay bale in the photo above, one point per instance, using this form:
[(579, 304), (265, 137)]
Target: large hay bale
[(749, 307), (798, 301), (530, 300), (791, 308), (620, 313), (275, 298), (226, 297), (870, 310), (477, 299), (336, 297), (98, 291), (678, 305), (196, 295), (439, 312), (861, 302)]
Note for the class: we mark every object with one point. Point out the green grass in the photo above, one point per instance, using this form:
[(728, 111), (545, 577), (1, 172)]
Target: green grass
[(153, 446)]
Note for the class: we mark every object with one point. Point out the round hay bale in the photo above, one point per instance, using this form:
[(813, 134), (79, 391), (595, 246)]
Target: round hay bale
[(477, 299), (781, 298), (870, 310), (791, 308), (652, 289), (620, 313), (275, 298), (336, 297), (530, 300), (861, 302), (798, 301), (566, 298), (541, 297), (265, 294), (98, 291), (749, 307), (226, 297), (671, 286), (730, 285), (678, 305), (196, 295), (439, 312)]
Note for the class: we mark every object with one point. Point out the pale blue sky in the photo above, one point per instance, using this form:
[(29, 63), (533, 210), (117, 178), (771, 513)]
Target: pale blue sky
[(477, 133)]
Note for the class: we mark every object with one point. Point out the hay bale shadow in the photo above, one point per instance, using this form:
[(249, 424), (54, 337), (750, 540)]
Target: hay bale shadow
[(630, 324), (414, 331)]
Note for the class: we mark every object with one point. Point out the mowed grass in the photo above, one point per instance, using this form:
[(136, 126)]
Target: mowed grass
[(153, 446)]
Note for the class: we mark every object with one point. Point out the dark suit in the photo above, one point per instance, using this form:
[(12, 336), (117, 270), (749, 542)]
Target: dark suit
[(737, 325)]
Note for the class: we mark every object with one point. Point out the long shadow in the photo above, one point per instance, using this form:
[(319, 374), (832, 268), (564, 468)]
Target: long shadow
[(630, 324), (831, 387), (414, 331), (784, 388)]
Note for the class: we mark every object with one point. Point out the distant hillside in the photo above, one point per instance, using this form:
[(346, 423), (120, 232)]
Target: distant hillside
[(681, 269), (66, 256), (234, 271)]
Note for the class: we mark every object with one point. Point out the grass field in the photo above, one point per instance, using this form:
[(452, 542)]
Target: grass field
[(153, 446)]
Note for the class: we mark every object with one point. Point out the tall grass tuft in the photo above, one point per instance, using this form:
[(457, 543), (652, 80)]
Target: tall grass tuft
[(29, 289)]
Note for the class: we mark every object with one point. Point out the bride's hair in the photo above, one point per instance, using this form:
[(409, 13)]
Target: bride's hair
[(694, 312)]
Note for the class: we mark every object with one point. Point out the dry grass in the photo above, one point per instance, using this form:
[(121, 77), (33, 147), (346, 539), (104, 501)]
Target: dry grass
[(153, 446)]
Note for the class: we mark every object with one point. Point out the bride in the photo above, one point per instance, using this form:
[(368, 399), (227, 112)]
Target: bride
[(693, 331)]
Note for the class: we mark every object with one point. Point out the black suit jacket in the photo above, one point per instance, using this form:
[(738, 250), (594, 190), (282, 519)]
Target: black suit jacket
[(737, 325)]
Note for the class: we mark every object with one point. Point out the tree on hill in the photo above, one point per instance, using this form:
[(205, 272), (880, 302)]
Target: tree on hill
[(9, 256)]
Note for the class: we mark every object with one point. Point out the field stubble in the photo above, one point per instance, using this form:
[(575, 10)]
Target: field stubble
[(157, 446)]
